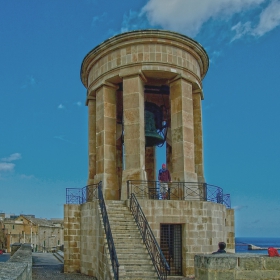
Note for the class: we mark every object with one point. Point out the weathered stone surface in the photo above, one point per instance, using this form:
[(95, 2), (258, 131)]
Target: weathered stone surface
[(19, 266), (236, 266)]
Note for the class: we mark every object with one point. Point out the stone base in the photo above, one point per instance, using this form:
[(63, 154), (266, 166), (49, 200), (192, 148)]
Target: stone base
[(236, 266), (131, 174)]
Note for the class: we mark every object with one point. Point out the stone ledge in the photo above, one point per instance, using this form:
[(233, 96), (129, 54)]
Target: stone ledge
[(19, 266), (236, 266)]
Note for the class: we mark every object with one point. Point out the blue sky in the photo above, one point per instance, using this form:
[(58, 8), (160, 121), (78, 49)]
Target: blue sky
[(43, 117)]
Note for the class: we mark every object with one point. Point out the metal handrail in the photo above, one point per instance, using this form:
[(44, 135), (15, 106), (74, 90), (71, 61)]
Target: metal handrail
[(81, 195), (149, 239), (226, 200), (178, 191), (109, 236)]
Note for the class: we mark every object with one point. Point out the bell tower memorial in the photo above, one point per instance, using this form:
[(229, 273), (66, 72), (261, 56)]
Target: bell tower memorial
[(144, 90), (122, 75)]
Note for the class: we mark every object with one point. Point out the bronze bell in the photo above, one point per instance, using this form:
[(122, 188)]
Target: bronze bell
[(153, 122)]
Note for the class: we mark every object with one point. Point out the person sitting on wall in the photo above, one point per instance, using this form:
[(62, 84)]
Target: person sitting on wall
[(164, 178), (222, 246)]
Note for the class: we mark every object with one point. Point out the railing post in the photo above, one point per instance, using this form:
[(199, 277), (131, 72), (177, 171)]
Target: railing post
[(127, 183), (205, 191), (144, 232), (137, 213)]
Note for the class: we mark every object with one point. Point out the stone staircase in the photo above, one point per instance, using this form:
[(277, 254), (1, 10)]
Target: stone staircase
[(134, 259)]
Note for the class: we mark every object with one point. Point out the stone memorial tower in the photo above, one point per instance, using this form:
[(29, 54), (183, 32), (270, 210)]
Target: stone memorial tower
[(121, 74), (144, 88)]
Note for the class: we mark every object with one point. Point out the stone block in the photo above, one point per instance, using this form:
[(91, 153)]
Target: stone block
[(271, 263), (250, 262), (257, 275)]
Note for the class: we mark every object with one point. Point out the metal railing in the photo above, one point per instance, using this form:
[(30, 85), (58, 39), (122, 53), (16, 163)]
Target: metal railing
[(226, 200), (178, 191), (110, 241), (149, 239), (81, 195)]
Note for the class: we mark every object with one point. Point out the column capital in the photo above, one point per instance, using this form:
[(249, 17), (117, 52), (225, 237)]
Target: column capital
[(183, 77), (199, 91), (92, 92), (126, 74)]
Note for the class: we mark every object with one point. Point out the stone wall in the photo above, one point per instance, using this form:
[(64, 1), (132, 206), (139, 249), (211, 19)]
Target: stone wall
[(204, 225), (72, 237), (19, 266), (230, 232), (85, 246), (236, 266), (95, 260)]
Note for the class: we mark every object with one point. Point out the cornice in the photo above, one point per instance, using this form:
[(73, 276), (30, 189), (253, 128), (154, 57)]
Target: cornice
[(145, 36)]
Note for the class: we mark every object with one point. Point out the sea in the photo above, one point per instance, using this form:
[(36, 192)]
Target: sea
[(241, 244)]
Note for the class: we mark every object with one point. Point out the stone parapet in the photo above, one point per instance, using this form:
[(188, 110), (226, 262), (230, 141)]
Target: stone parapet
[(19, 266), (236, 266), (72, 237), (85, 248)]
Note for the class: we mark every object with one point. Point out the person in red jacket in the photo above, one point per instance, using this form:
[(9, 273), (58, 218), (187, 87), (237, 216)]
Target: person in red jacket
[(164, 178)]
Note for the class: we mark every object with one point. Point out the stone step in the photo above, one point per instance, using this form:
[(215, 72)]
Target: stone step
[(125, 230), (118, 209), (132, 256), (112, 219), (135, 261), (138, 267), (127, 236), (114, 206), (131, 242), (123, 233), (123, 226), (134, 273), (115, 223), (119, 212), (128, 246), (138, 251), (139, 278)]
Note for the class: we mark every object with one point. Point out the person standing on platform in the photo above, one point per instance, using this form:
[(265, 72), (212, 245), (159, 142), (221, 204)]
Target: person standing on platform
[(164, 178)]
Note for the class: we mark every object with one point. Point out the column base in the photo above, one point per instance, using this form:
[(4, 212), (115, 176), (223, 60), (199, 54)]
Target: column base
[(109, 186), (131, 174)]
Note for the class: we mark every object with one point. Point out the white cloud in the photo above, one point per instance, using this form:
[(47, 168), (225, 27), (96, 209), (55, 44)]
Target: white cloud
[(60, 106), (133, 21), (188, 17), (62, 138), (12, 157), (239, 207), (79, 103), (6, 166), (241, 30), (98, 19), (268, 20)]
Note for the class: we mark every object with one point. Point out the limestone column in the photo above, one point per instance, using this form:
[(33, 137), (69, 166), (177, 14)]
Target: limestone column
[(91, 139), (150, 163), (198, 140), (182, 131), (134, 131), (169, 158), (106, 140)]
